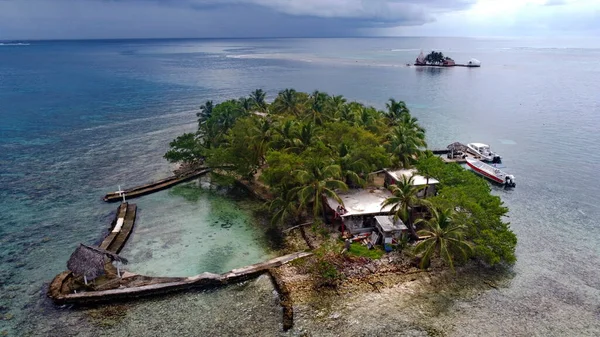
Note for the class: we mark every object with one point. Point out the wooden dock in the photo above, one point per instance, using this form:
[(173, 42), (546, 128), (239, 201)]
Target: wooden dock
[(443, 153), (132, 286), (155, 186), (120, 228)]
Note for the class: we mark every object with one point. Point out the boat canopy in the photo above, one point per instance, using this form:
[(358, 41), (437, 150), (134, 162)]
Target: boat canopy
[(421, 58), (479, 145)]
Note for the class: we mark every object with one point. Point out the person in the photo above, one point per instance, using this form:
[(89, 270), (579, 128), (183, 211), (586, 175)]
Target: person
[(342, 210)]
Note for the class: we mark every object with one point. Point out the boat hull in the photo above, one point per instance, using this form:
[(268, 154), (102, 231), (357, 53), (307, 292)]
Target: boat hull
[(492, 173), (485, 174)]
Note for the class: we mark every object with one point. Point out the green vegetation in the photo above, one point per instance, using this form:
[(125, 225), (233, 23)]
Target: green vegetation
[(436, 58), (357, 249), (444, 238), (476, 208), (404, 201), (306, 147)]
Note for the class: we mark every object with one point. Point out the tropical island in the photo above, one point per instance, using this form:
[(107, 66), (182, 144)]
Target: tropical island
[(309, 155), (437, 59)]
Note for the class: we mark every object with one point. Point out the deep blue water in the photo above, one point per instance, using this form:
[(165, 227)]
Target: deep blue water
[(79, 117)]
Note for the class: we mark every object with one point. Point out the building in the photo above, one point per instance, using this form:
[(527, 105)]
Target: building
[(360, 207), (448, 62), (428, 183)]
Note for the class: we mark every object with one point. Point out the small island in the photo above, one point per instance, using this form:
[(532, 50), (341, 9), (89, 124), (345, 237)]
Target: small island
[(352, 195), (437, 59)]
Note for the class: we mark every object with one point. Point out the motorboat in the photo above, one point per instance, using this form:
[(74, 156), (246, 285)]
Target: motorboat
[(473, 63), (484, 152), (491, 172)]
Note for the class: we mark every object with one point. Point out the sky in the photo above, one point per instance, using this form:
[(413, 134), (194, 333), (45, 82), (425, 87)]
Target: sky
[(83, 19)]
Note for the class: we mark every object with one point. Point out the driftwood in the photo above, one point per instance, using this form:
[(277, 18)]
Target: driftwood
[(285, 298), (298, 226)]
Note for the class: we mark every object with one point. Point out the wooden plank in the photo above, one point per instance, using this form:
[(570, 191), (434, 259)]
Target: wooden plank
[(155, 186), (121, 237)]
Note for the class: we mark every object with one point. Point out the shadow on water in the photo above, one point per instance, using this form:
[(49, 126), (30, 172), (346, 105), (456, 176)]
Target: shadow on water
[(431, 71)]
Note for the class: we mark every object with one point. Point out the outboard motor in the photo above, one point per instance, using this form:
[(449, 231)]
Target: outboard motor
[(496, 159), (509, 181)]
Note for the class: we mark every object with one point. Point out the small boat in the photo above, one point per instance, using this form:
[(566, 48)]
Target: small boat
[(473, 63), (492, 173), (484, 152)]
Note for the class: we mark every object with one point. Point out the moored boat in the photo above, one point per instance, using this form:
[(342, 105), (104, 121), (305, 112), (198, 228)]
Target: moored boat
[(492, 173), (484, 152)]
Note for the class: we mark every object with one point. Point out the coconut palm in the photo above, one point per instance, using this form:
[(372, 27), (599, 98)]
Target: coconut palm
[(307, 135), (352, 167), (317, 183), (317, 105), (396, 109), (205, 112), (285, 135), (335, 107), (285, 207), (286, 102), (445, 238), (246, 104), (406, 144), (403, 201), (412, 123), (258, 97)]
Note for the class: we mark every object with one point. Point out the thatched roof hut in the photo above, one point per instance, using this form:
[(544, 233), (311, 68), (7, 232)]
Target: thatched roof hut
[(457, 146), (89, 261)]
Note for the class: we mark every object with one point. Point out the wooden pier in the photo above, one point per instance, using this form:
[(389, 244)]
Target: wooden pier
[(443, 153), (132, 286), (120, 229), (155, 186)]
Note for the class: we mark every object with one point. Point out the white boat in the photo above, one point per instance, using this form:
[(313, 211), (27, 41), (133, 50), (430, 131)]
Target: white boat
[(483, 152), (474, 63), (493, 173)]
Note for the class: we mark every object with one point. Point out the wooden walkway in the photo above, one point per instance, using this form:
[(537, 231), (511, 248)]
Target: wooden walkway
[(133, 286), (116, 239), (155, 186)]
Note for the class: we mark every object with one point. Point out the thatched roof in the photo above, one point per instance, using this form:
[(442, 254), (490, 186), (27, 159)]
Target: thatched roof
[(457, 146), (89, 261)]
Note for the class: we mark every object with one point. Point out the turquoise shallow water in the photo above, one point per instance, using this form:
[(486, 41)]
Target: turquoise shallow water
[(78, 118)]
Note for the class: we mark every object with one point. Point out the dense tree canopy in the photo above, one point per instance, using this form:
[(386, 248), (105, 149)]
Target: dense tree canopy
[(305, 147)]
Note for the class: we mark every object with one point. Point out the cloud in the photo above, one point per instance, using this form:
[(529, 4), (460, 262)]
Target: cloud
[(212, 18)]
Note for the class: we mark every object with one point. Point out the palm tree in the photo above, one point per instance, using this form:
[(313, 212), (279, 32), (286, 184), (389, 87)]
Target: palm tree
[(403, 201), (318, 101), (306, 135), (396, 109), (286, 102), (406, 144), (258, 97), (352, 167), (205, 112), (317, 183), (348, 114), (246, 104), (284, 207), (285, 137), (336, 105), (412, 123), (445, 238), (259, 141)]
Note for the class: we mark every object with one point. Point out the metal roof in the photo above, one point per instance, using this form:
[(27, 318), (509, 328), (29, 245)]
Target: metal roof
[(387, 223), (418, 180), (362, 201)]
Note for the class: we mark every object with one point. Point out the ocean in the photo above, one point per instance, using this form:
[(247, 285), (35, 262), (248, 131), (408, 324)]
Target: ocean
[(80, 118)]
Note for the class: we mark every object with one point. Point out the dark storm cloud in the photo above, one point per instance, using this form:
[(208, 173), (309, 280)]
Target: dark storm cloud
[(211, 18)]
